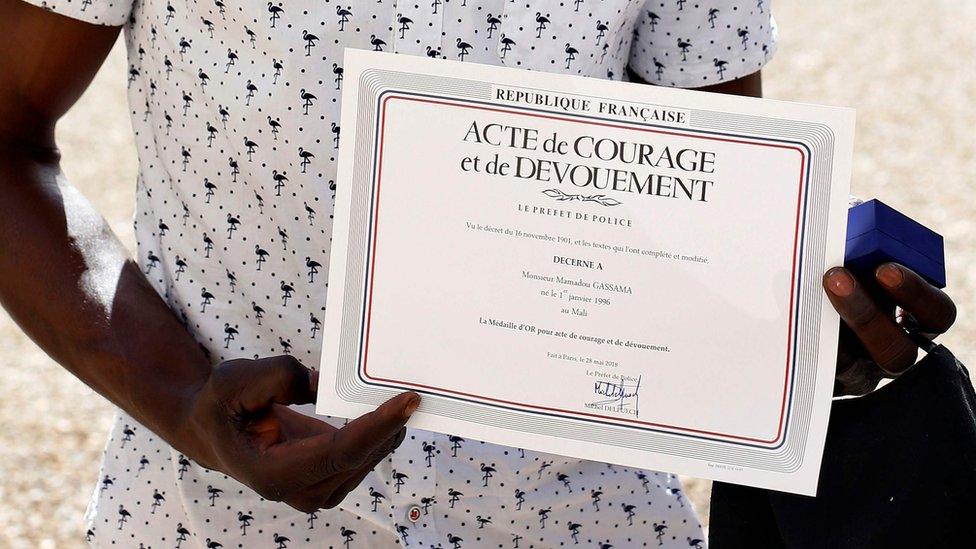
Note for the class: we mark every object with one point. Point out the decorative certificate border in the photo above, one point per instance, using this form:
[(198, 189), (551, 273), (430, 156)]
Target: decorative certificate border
[(783, 453)]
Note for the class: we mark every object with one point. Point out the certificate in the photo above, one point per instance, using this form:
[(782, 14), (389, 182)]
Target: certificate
[(603, 270)]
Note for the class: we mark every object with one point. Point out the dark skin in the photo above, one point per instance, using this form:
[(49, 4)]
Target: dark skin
[(66, 280)]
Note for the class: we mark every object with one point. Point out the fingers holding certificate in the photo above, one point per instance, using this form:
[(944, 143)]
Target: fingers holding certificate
[(609, 271)]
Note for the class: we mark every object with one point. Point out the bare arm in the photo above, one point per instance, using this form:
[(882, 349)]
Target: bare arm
[(64, 277), (69, 283)]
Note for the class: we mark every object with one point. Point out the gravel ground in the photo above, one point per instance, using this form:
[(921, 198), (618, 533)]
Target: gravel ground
[(910, 72)]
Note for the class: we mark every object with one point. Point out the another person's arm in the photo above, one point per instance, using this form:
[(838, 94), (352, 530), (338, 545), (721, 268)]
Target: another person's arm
[(69, 283)]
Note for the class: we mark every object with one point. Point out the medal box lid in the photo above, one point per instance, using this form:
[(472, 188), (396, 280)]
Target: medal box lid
[(877, 233)]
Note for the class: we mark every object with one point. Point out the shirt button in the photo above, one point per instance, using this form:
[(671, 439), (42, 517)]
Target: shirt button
[(413, 513)]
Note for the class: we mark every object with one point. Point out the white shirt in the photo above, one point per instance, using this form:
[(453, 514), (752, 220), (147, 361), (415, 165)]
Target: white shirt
[(235, 106)]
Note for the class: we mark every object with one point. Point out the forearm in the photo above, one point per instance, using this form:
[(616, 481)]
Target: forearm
[(69, 283)]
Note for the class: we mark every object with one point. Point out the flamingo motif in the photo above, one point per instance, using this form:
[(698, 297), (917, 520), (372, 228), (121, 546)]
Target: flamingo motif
[(506, 43), (631, 511), (659, 530), (250, 146), (542, 22), (231, 60), (152, 261), (564, 478), (456, 443), (207, 245), (493, 24), (376, 42), (601, 30), (720, 67), (335, 135), (429, 449), (211, 134), (232, 224), (258, 312), (344, 15), (658, 68), (275, 124), (245, 521), (595, 499), (454, 496), (676, 492), (313, 268), (377, 497), (405, 23), (337, 71), (307, 100), (286, 291), (570, 54), (158, 499), (347, 535), (278, 66), (743, 36), (123, 516), (230, 332), (316, 324), (543, 515), (399, 479), (214, 493), (310, 213), (181, 534), (310, 40), (276, 12), (574, 528), (486, 473), (207, 299), (654, 19), (251, 90), (262, 255), (684, 45)]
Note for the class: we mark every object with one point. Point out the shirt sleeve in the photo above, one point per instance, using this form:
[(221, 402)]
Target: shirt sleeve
[(99, 12), (693, 44)]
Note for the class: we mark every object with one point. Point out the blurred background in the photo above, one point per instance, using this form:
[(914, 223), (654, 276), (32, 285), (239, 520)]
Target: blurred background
[(909, 68)]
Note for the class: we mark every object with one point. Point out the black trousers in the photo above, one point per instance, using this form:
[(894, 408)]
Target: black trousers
[(899, 470)]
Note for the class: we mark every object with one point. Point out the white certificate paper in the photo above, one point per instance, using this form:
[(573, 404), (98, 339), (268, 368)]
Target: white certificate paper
[(610, 271)]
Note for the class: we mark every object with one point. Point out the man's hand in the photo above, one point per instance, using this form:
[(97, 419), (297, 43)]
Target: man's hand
[(242, 424), (875, 340)]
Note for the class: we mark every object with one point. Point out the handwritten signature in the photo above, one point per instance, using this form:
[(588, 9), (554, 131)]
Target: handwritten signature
[(622, 395)]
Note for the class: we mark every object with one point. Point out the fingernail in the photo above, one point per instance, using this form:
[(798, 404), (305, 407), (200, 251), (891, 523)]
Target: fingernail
[(411, 406), (839, 282), (890, 275)]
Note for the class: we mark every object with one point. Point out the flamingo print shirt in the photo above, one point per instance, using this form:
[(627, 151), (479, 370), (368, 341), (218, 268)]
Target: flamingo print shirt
[(235, 107)]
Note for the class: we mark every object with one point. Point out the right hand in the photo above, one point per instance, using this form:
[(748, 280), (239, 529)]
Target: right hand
[(242, 426)]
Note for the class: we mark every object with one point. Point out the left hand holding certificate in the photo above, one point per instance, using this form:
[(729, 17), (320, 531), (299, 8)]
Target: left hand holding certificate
[(604, 270)]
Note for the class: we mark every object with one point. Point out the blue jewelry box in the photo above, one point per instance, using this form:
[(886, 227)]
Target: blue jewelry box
[(877, 233)]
